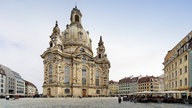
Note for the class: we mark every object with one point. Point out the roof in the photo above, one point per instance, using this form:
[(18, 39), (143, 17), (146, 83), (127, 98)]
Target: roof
[(134, 79), (29, 83), (113, 82), (175, 49), (2, 71), (125, 80), (145, 79)]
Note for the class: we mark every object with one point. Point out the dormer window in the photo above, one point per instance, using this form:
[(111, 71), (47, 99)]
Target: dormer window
[(76, 18), (80, 34)]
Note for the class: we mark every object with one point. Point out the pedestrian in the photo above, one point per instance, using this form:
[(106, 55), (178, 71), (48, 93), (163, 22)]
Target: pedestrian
[(119, 99)]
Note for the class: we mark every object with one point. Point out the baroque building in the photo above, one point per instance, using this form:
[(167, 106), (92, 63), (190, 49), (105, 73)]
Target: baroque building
[(134, 84), (124, 85), (70, 69), (113, 88), (178, 67), (150, 83)]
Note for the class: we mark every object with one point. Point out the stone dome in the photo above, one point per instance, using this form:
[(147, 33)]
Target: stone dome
[(74, 34)]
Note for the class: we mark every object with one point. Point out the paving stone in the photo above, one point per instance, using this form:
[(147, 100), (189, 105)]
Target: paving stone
[(106, 102)]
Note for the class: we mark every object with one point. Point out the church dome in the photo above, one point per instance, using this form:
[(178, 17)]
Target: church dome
[(74, 34)]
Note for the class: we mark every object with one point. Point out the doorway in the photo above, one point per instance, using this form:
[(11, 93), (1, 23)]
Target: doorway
[(83, 92), (48, 92)]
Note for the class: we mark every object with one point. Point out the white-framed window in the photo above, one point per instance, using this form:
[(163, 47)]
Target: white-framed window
[(185, 57), (180, 82), (50, 73), (180, 71), (97, 78), (180, 61), (67, 74), (175, 83), (84, 76), (185, 81), (185, 69)]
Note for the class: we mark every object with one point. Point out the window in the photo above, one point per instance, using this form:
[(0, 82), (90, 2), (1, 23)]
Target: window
[(175, 64), (180, 82), (84, 76), (76, 18), (97, 78), (172, 84), (1, 90), (67, 74), (2, 81), (185, 81), (80, 35), (185, 57), (175, 83), (99, 55), (180, 71), (175, 73), (50, 73), (180, 60), (185, 69), (67, 91), (1, 85), (172, 75), (186, 47), (83, 59)]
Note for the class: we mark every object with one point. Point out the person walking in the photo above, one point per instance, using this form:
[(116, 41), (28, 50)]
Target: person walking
[(119, 99)]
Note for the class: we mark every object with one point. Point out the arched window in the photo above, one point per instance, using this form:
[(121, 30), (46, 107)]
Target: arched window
[(76, 18), (50, 73), (67, 74), (84, 76), (97, 78)]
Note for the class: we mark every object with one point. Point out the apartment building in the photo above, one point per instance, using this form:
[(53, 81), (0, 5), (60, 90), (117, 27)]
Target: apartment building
[(150, 83), (178, 67), (124, 85), (19, 84), (2, 82), (134, 84), (13, 83), (30, 89), (113, 87)]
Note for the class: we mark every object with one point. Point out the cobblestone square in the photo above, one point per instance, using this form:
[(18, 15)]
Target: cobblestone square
[(107, 102)]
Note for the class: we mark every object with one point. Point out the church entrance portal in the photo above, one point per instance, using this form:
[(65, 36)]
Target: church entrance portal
[(83, 92)]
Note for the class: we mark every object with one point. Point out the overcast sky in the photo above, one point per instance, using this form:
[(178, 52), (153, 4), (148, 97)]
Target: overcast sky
[(137, 33)]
